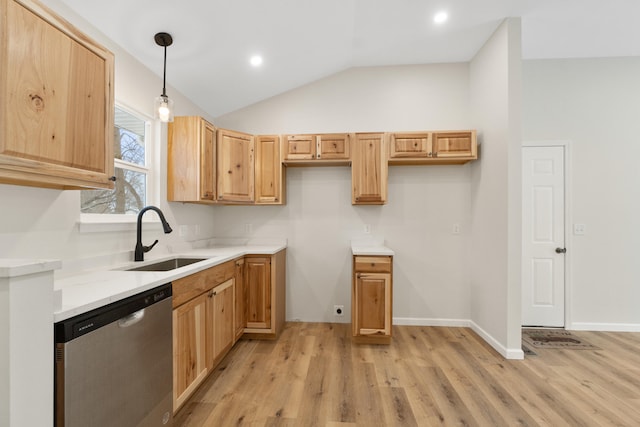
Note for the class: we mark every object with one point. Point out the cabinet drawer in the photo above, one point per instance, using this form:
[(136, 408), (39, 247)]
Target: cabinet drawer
[(373, 264), (189, 287)]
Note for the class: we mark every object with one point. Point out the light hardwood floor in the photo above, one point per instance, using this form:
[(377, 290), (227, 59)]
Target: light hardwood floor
[(314, 376)]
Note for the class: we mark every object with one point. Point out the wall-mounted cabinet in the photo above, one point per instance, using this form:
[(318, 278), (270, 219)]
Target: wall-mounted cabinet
[(417, 148), (317, 150), (235, 167), (56, 101), (191, 160), (269, 186), (369, 169)]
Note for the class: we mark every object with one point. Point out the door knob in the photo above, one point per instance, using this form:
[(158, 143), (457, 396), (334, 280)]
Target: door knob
[(561, 250)]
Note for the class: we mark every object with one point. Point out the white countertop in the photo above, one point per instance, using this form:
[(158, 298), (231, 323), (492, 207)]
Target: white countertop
[(23, 267), (370, 246), (88, 290)]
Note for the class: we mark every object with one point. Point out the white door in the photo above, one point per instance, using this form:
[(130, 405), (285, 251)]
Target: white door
[(543, 259)]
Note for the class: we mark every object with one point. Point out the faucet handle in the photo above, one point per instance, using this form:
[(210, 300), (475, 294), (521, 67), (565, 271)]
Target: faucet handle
[(148, 248)]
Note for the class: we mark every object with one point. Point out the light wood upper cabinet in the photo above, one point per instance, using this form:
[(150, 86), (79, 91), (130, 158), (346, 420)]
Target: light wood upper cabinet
[(235, 174), (56, 101), (371, 299), (269, 171), (410, 145), (455, 145), (369, 169), (320, 150), (299, 147), (191, 160), (421, 148)]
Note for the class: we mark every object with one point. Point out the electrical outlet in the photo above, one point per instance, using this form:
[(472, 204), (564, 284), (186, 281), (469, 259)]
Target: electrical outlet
[(338, 310), (367, 229), (183, 230), (197, 229), (248, 228), (579, 229), (456, 228)]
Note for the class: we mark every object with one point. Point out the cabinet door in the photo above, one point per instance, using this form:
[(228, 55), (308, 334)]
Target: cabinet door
[(235, 166), (56, 101), (269, 171), (372, 304), (208, 162), (191, 160), (189, 348), (410, 145), (334, 146), (455, 144), (369, 169), (240, 301), (220, 318), (299, 147), (258, 274)]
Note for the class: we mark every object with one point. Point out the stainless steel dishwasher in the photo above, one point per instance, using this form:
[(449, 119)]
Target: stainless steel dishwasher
[(113, 365)]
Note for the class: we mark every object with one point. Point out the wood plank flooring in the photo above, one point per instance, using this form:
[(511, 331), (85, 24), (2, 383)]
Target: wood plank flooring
[(429, 376)]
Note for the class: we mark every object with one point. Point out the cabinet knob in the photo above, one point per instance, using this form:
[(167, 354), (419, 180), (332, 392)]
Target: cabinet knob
[(112, 178)]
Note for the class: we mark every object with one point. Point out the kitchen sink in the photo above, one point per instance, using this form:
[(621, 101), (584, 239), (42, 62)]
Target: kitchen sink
[(167, 265)]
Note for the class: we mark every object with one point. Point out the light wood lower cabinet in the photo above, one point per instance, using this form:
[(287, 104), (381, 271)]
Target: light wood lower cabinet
[(266, 298), (372, 298), (241, 300), (210, 313), (220, 322), (189, 348)]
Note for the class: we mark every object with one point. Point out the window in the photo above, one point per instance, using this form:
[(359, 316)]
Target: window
[(131, 169)]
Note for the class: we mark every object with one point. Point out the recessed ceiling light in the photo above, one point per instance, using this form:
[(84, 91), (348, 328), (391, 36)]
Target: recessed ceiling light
[(440, 17), (256, 60)]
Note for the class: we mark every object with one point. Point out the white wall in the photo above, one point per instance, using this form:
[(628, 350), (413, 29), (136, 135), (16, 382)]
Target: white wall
[(595, 104), (495, 189), (431, 274), (42, 223)]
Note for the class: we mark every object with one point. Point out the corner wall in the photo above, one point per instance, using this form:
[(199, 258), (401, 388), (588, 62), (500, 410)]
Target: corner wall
[(495, 88), (430, 266)]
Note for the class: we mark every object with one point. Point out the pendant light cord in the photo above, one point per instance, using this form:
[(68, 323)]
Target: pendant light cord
[(164, 74)]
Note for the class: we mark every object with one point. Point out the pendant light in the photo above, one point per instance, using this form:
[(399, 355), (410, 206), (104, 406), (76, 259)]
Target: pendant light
[(163, 107)]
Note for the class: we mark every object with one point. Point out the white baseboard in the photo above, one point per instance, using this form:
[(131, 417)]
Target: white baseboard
[(414, 321), (604, 327), (507, 353)]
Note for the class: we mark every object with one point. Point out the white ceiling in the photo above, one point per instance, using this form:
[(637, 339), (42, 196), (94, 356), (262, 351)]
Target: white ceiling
[(304, 40)]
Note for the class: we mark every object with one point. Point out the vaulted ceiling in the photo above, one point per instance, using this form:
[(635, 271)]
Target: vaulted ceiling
[(303, 40)]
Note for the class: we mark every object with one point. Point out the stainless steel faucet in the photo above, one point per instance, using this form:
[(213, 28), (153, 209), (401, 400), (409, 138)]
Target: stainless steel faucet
[(140, 248)]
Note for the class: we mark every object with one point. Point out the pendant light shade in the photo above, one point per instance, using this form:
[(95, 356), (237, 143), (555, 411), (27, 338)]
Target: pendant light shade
[(163, 106)]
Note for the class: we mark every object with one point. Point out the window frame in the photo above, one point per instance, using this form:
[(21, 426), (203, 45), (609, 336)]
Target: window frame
[(96, 222)]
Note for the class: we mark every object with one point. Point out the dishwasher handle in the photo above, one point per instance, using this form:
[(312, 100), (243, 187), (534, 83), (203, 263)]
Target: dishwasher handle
[(131, 319)]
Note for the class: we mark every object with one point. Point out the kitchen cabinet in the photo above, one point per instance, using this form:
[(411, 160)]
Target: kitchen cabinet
[(220, 322), (235, 167), (203, 315), (371, 299), (369, 169), (56, 101), (418, 148), (191, 160), (240, 301), (319, 150), (269, 173), (189, 346), (266, 299)]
